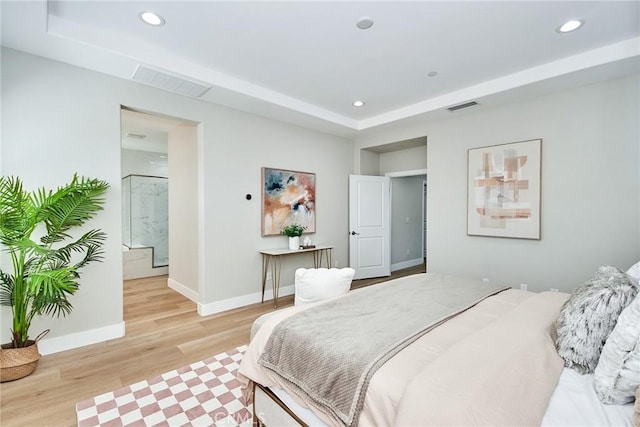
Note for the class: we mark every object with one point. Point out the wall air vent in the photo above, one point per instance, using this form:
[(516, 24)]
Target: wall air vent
[(169, 82), (461, 106)]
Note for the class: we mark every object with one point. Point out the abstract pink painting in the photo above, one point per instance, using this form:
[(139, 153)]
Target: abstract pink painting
[(503, 198)]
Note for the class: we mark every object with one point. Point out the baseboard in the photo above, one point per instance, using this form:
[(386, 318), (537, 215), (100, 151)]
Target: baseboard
[(80, 339), (241, 301), (407, 264), (183, 290)]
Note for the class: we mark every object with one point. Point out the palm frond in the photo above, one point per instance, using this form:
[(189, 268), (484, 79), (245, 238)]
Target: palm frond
[(55, 286), (94, 253), (17, 212), (49, 239), (89, 244), (52, 281), (70, 206), (6, 289), (56, 305), (30, 248)]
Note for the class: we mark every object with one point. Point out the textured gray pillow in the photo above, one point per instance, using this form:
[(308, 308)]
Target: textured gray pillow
[(589, 315), (617, 375)]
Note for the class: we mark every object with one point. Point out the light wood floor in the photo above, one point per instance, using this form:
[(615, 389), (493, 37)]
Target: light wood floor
[(163, 332)]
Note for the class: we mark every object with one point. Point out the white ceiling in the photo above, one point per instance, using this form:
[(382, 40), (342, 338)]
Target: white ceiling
[(306, 62)]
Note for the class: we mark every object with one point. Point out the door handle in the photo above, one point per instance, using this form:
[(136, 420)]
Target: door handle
[(353, 233)]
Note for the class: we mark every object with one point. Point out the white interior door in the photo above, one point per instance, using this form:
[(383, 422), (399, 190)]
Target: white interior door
[(369, 226)]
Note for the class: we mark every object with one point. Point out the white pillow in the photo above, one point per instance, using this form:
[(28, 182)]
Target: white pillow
[(634, 273), (315, 284), (617, 375)]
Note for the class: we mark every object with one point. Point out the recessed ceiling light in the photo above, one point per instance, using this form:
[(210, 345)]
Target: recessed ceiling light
[(364, 23), (569, 26), (152, 19), (358, 103)]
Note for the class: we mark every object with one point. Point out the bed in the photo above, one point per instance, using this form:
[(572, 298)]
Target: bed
[(481, 358)]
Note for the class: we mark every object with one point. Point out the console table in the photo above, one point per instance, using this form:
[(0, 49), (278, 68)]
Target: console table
[(274, 257)]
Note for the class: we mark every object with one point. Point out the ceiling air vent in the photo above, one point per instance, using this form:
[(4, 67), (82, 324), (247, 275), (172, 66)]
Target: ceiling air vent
[(169, 82), (461, 106), (135, 135)]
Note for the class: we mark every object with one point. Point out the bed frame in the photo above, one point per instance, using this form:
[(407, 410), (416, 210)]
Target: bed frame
[(270, 411)]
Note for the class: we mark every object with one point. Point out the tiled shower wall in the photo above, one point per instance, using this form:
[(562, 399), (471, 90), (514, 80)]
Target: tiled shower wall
[(145, 207)]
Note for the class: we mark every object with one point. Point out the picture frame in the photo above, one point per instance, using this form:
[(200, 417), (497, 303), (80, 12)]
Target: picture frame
[(288, 197), (504, 190)]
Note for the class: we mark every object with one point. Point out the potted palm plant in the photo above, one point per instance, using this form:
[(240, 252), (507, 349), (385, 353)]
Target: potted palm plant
[(45, 272), (293, 231)]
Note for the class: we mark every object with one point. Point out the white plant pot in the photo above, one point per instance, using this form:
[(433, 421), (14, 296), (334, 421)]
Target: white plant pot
[(294, 243)]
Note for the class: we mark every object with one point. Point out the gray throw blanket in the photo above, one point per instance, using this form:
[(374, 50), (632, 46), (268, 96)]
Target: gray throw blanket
[(330, 352)]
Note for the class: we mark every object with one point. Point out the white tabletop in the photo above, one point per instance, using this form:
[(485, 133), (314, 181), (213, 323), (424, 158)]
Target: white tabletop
[(287, 251)]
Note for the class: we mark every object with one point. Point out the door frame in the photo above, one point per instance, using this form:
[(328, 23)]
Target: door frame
[(402, 174)]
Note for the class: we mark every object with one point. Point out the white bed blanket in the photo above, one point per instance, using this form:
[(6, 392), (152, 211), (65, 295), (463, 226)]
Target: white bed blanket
[(513, 348)]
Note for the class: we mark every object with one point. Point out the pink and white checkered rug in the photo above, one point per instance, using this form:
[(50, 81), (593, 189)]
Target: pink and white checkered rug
[(205, 393)]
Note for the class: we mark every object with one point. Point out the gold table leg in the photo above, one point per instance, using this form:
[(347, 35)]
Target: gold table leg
[(319, 255), (275, 262), (265, 268), (276, 267)]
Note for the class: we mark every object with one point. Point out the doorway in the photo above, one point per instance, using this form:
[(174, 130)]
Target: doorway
[(405, 164), (408, 219), (160, 200), (387, 222), (145, 194)]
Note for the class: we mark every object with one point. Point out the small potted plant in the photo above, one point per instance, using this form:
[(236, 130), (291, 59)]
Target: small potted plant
[(46, 268), (293, 231)]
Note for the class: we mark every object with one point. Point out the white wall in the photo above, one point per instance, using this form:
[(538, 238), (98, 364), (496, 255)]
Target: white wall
[(372, 163), (590, 186), (184, 240), (245, 143), (403, 160), (369, 163), (58, 119)]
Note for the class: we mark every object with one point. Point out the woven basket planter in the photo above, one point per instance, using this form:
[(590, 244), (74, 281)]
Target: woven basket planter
[(16, 363)]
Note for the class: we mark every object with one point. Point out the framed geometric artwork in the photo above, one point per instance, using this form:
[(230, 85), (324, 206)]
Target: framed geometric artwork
[(288, 197), (504, 190)]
